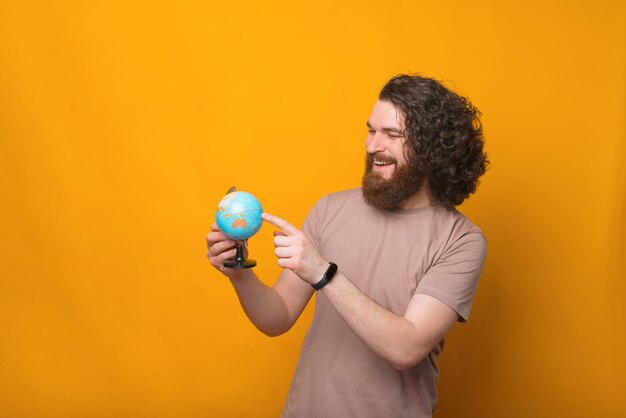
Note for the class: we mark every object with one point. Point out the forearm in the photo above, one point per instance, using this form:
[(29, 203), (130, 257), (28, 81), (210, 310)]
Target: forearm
[(388, 335), (264, 307)]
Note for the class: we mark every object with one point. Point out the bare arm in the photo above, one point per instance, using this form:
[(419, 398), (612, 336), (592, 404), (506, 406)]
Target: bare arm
[(273, 310), (403, 341)]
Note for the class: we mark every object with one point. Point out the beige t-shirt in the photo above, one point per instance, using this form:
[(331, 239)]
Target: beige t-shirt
[(390, 256)]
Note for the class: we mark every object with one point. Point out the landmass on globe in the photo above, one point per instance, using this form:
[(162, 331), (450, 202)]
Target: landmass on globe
[(238, 215)]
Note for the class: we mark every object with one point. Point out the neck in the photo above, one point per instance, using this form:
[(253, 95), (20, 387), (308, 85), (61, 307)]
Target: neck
[(418, 200)]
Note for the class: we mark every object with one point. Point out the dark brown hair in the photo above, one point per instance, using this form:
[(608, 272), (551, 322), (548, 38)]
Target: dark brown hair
[(445, 136)]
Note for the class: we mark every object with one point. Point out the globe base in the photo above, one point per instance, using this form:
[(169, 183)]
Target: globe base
[(239, 262)]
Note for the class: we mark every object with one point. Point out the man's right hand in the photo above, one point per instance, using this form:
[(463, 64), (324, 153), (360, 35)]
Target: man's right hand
[(220, 249), (274, 309)]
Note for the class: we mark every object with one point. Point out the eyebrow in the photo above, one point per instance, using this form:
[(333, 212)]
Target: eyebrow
[(386, 128)]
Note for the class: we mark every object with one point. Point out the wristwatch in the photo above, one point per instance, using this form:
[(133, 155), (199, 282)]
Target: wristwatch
[(327, 277)]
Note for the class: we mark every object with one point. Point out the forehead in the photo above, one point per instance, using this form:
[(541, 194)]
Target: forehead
[(386, 114)]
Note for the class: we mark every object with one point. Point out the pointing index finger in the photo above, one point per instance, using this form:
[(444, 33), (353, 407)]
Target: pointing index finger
[(285, 226)]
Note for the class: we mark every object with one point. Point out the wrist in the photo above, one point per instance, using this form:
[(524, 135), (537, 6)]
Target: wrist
[(235, 275), (328, 275), (318, 272)]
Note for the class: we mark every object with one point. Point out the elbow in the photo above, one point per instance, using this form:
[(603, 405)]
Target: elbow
[(274, 330), (273, 333), (403, 365), (273, 326), (407, 360)]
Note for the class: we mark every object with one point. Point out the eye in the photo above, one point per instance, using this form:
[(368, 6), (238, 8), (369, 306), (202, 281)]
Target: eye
[(371, 131)]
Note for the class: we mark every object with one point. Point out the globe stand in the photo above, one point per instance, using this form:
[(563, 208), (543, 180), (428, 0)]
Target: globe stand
[(240, 261)]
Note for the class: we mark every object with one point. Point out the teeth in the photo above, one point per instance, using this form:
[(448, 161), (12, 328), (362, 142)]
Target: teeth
[(381, 163)]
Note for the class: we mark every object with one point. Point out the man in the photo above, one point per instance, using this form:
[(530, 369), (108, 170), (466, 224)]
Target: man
[(395, 264)]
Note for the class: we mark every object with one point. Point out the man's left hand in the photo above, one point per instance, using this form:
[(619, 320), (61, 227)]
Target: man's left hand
[(295, 252)]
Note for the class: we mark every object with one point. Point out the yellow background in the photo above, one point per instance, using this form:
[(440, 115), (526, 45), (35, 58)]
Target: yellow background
[(122, 124)]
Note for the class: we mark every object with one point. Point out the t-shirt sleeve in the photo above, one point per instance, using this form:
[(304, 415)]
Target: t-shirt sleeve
[(454, 277), (313, 223)]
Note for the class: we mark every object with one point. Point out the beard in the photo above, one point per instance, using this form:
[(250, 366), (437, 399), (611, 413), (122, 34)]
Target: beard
[(389, 194)]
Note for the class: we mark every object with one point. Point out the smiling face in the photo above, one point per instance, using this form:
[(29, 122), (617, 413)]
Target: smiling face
[(385, 142), (389, 178)]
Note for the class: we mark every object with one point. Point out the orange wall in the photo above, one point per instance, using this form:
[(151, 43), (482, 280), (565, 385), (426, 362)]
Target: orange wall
[(121, 127)]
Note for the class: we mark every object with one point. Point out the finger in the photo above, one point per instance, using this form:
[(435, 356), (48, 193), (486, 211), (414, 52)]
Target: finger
[(221, 246), (288, 263), (285, 226), (282, 241), (284, 263), (214, 227), (214, 237), (227, 255), (277, 233), (218, 261), (285, 252)]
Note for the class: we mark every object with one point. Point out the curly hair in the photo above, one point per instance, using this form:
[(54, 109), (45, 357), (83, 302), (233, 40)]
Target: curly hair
[(445, 136)]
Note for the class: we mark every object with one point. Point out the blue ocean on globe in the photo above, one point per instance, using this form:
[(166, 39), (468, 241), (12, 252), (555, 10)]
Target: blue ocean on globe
[(238, 215)]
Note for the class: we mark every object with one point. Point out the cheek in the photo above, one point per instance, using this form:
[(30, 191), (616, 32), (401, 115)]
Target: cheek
[(401, 154)]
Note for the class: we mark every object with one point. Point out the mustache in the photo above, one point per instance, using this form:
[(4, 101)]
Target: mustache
[(380, 157)]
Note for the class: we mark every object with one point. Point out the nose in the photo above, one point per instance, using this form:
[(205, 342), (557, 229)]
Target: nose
[(374, 143)]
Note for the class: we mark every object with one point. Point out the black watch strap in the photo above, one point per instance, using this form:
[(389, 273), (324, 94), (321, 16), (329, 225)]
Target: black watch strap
[(327, 277)]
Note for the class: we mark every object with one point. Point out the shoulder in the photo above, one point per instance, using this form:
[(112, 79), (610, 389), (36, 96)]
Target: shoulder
[(458, 230), (330, 210), (342, 199), (350, 195), (337, 207), (455, 220)]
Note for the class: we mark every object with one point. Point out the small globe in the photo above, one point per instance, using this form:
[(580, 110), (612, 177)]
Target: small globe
[(238, 215)]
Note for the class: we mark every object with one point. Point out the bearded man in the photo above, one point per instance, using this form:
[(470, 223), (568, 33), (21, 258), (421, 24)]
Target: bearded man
[(394, 264)]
